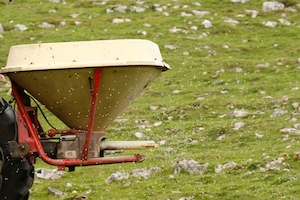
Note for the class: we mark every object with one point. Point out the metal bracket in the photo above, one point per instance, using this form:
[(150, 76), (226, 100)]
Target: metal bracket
[(17, 150)]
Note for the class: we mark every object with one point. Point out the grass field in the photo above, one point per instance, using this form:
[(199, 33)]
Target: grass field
[(232, 67)]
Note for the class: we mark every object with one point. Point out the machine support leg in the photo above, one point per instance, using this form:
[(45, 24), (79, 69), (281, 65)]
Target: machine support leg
[(94, 92)]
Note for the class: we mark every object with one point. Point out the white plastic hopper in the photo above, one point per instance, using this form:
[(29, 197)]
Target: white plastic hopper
[(60, 76)]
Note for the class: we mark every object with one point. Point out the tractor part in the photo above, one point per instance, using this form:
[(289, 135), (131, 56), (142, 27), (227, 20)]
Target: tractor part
[(16, 172), (127, 145)]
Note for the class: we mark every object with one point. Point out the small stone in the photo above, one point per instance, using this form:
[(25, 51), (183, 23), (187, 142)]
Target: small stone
[(138, 9), (278, 112), (259, 135), (121, 120), (189, 166), (142, 121), (200, 13), (75, 15), (62, 23), (273, 165), (170, 150), (238, 125), (80, 197), (127, 184), (157, 123), (228, 165), (2, 78), (55, 1), (270, 23), (1, 28), (238, 113), (44, 173), (147, 25), (69, 184), (194, 28), (108, 10), (21, 27), (285, 22), (171, 176), (207, 24), (162, 142), (139, 135), (176, 91), (238, 69), (197, 4), (154, 107), (184, 198), (166, 14), (55, 192), (253, 13), (185, 14), (296, 126), (121, 9), (171, 46), (121, 20), (263, 65), (116, 177), (142, 32), (77, 23), (239, 1), (231, 21), (174, 30), (290, 131), (272, 6), (221, 137), (143, 172), (261, 169), (296, 105), (46, 25)]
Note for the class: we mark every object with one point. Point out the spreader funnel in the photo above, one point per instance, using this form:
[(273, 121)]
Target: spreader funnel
[(62, 76)]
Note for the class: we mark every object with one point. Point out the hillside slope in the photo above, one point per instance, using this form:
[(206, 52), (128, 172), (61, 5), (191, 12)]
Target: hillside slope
[(232, 96)]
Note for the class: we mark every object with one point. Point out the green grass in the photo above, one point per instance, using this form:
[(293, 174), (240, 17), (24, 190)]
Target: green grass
[(207, 71)]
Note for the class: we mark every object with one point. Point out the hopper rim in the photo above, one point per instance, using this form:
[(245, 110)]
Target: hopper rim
[(19, 60)]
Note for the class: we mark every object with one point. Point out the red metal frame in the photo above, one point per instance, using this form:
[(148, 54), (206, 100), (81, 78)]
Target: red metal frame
[(95, 92), (29, 129)]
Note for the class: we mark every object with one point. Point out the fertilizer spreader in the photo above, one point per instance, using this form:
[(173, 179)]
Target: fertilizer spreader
[(84, 84)]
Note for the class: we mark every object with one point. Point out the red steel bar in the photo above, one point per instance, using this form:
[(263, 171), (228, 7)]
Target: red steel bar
[(95, 92), (61, 162), (52, 132)]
